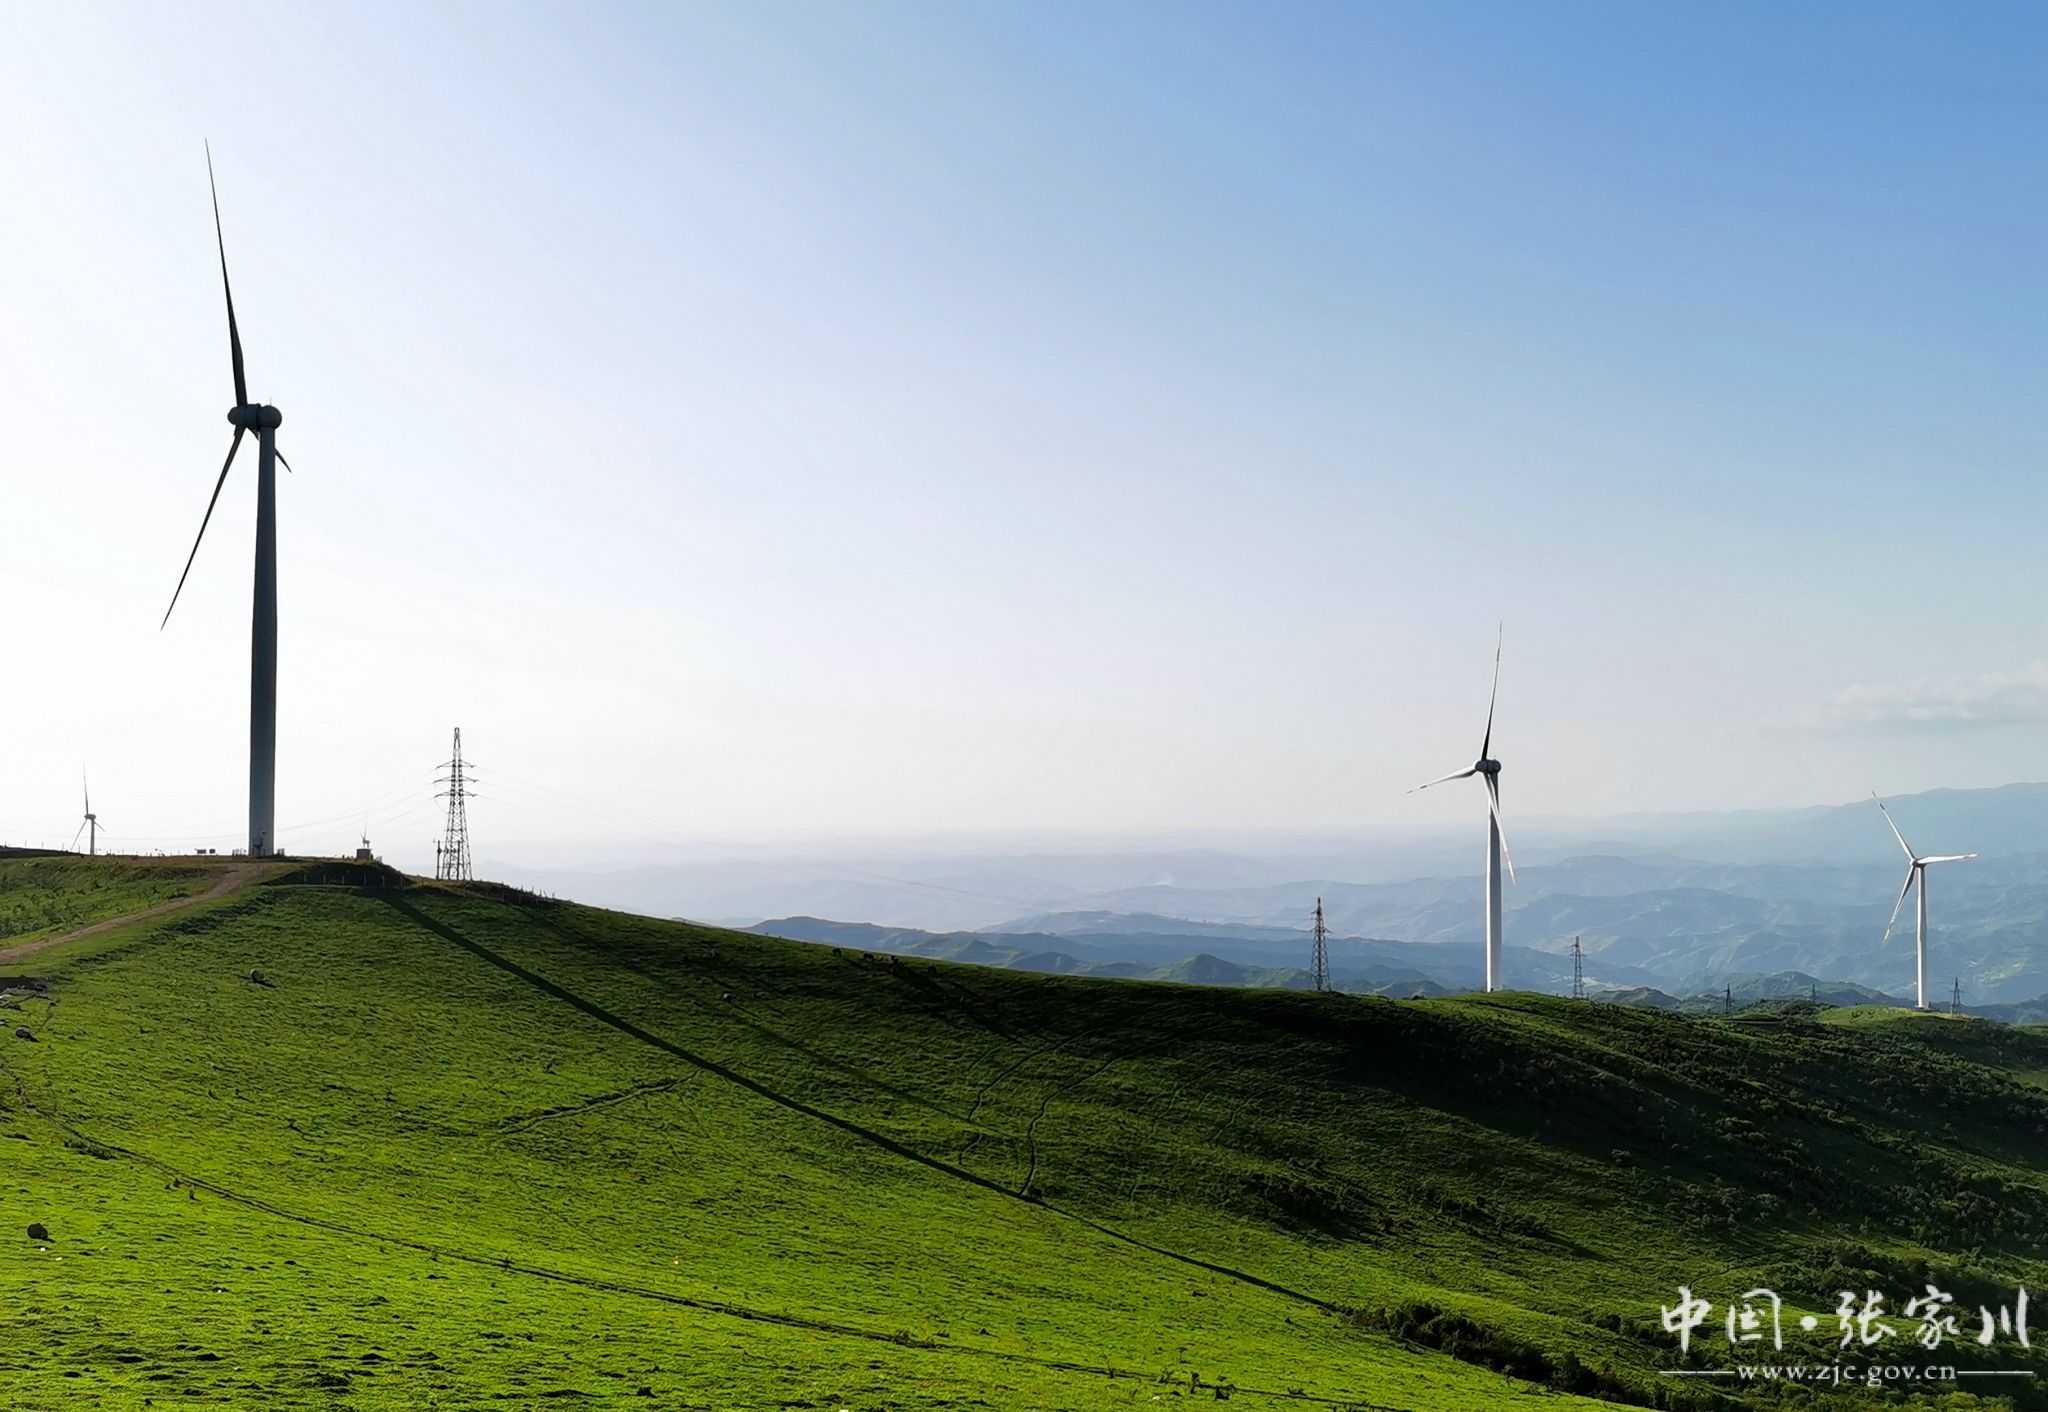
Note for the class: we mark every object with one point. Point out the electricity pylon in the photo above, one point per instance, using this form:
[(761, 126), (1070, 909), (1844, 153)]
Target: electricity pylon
[(1322, 959), (451, 854)]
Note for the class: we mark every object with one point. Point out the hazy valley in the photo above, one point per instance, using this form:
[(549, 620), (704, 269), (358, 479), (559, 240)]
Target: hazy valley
[(1766, 902)]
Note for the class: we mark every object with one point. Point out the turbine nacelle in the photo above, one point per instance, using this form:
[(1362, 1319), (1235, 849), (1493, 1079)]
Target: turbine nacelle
[(1486, 767), (251, 418)]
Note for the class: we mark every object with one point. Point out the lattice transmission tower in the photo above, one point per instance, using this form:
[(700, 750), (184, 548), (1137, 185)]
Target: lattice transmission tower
[(451, 852), (1578, 971), (1955, 996), (1322, 962)]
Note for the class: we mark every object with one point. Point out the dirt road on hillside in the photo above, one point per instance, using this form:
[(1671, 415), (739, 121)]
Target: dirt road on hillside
[(228, 882)]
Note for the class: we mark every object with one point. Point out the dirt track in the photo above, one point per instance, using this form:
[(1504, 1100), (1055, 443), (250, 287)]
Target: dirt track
[(228, 882)]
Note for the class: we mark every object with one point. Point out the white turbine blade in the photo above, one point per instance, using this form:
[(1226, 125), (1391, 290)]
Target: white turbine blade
[(1493, 804), (1445, 779), (74, 837), (1948, 858), (1904, 847), (1486, 746), (1912, 876)]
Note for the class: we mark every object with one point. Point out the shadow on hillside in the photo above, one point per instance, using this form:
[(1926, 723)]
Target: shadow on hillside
[(632, 1031), (942, 997), (1668, 1105), (399, 904), (703, 960), (733, 1010)]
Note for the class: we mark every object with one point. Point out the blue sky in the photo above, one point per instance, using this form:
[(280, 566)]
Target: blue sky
[(864, 420)]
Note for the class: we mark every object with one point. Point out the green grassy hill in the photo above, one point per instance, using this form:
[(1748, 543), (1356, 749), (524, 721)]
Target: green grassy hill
[(462, 1148), (44, 897)]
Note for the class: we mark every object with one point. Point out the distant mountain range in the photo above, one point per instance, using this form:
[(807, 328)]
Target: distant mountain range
[(1069, 944), (1684, 905), (1080, 944), (1673, 922), (1147, 950)]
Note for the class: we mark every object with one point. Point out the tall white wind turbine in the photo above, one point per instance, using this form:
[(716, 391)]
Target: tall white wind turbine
[(1916, 872), (264, 421), (1488, 769)]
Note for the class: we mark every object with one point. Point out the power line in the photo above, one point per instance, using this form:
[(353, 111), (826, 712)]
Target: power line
[(451, 854)]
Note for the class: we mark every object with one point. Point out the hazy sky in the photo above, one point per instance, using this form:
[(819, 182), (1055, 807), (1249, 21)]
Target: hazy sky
[(781, 419)]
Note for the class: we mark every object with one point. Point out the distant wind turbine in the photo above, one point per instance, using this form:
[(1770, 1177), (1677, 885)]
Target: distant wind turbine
[(1488, 768), (92, 822), (1916, 872), (264, 421)]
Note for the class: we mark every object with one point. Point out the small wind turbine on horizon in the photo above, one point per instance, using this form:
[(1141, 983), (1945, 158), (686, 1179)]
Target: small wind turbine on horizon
[(264, 420), (1916, 872), (92, 822), (1488, 768)]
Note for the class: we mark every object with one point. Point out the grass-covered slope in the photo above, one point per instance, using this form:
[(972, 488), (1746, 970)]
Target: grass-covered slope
[(457, 1150), (46, 896)]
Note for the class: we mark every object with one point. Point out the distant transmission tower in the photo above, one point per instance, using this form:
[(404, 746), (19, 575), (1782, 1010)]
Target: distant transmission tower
[(1578, 971), (1321, 934), (451, 854), (1955, 996), (1728, 1000)]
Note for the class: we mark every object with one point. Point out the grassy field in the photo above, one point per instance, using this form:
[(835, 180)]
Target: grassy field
[(42, 897), (459, 1149)]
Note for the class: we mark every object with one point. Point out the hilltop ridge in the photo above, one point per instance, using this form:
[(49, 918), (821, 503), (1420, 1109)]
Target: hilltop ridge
[(461, 1144)]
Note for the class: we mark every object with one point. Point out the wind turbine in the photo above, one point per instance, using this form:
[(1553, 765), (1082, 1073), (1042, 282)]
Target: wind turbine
[(1916, 872), (264, 421), (92, 821), (1488, 768)]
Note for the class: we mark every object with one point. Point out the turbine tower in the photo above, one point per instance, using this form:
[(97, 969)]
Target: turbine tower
[(1488, 769), (264, 421), (91, 826), (1916, 872)]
